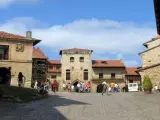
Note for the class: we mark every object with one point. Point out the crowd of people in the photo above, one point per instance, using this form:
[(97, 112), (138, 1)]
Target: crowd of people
[(118, 87), (79, 87)]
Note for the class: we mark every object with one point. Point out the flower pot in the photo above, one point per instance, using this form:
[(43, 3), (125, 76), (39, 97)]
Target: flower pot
[(148, 91)]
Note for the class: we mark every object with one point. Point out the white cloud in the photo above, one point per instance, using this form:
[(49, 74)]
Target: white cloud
[(5, 3), (103, 36)]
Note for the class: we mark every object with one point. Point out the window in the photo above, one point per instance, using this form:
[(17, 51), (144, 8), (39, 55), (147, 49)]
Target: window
[(130, 81), (53, 76), (85, 74), (113, 75), (100, 75), (81, 59), (4, 49), (71, 59), (68, 75), (104, 62)]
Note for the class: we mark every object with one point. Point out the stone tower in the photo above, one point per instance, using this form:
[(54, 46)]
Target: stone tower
[(76, 65)]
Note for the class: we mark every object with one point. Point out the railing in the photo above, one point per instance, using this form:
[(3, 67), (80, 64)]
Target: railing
[(108, 78)]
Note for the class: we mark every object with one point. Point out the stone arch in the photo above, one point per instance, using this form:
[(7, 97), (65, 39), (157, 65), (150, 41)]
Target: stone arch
[(74, 83), (99, 88)]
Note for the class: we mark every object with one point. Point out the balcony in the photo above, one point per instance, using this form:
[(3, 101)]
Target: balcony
[(54, 70), (117, 77)]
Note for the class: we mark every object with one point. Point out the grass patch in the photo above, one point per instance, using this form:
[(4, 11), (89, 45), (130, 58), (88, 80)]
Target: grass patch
[(24, 94)]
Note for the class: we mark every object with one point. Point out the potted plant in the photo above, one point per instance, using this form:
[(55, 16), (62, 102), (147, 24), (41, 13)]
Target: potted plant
[(147, 85)]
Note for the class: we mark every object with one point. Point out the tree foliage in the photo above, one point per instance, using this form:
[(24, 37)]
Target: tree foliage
[(147, 84)]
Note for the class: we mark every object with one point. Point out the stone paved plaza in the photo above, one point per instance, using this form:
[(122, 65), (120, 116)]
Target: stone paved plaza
[(86, 106)]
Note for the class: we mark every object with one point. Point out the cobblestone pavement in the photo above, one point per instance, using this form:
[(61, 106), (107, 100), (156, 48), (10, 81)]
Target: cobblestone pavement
[(86, 106)]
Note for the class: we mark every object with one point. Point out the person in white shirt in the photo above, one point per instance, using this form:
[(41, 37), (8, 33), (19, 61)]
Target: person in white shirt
[(155, 87), (64, 86), (72, 88), (116, 87)]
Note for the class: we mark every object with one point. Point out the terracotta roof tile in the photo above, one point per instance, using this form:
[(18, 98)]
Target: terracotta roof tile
[(38, 53), (6, 35), (131, 71), (58, 62), (10, 35), (107, 63)]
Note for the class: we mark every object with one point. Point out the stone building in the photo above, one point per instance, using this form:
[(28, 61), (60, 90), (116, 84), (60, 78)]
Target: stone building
[(16, 52), (150, 60), (76, 65)]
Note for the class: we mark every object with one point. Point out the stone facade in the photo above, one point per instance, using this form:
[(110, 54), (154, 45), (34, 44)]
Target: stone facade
[(18, 61), (150, 61), (76, 66), (97, 71), (154, 74), (19, 56)]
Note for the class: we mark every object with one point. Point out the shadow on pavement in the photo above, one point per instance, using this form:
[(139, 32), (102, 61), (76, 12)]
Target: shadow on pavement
[(39, 110)]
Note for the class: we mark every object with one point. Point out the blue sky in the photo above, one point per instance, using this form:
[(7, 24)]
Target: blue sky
[(114, 29)]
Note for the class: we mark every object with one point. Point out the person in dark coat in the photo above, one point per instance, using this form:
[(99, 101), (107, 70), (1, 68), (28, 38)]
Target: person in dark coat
[(20, 79)]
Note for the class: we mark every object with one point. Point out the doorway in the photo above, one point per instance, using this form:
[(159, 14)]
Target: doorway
[(75, 86), (4, 75), (99, 88)]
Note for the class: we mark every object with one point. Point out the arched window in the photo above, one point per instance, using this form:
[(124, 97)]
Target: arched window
[(85, 75), (81, 59), (71, 59), (68, 74)]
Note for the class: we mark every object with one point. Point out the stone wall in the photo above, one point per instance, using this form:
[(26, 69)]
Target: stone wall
[(76, 68), (151, 57), (153, 73), (153, 43), (19, 61)]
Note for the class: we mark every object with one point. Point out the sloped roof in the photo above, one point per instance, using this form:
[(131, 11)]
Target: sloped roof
[(38, 53), (57, 62), (109, 63), (131, 71), (153, 39), (148, 67), (6, 35), (10, 35), (74, 49)]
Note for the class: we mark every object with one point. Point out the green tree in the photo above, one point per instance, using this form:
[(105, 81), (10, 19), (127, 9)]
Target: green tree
[(147, 84)]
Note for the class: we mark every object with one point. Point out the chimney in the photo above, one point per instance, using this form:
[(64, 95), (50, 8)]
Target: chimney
[(121, 60), (29, 34)]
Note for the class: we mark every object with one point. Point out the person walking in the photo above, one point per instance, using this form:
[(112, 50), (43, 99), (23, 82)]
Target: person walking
[(105, 88), (69, 87), (64, 86), (9, 75), (21, 79), (54, 86)]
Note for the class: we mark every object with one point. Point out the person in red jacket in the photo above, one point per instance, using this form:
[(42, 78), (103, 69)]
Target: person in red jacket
[(54, 86)]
